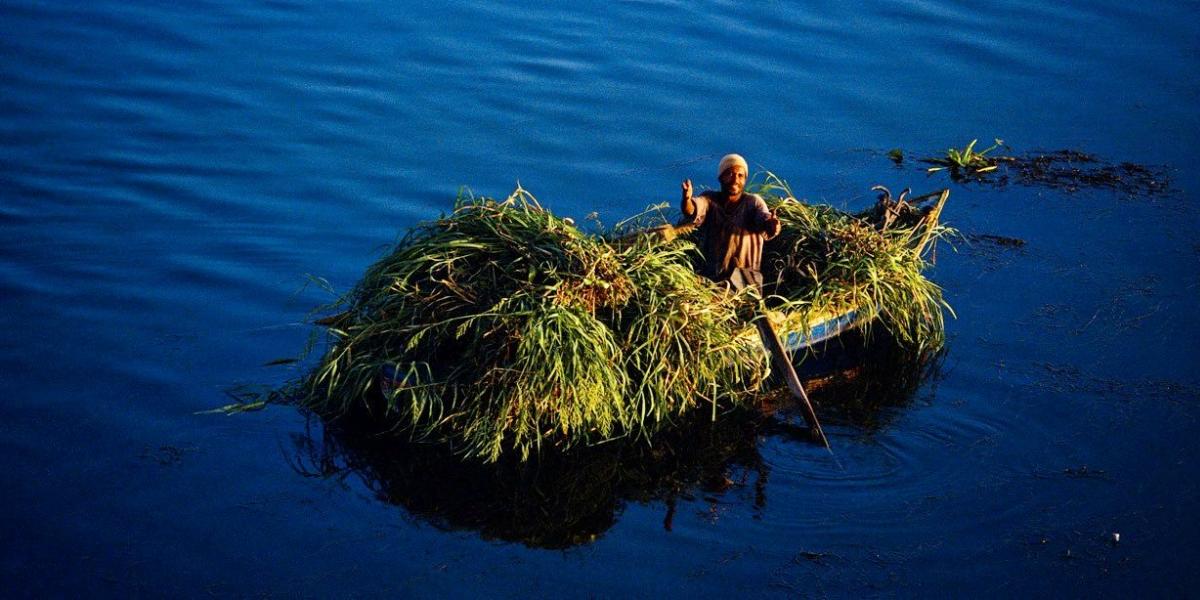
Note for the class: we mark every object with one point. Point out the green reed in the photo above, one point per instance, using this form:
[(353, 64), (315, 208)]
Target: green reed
[(512, 330), (967, 161), (825, 261)]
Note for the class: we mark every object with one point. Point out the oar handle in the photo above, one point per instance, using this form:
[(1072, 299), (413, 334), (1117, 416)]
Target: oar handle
[(665, 233)]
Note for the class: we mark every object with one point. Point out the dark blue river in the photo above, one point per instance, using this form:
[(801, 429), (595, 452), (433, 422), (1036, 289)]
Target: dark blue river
[(173, 178)]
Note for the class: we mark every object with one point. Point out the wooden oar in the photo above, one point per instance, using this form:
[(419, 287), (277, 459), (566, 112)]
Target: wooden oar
[(332, 320), (783, 364), (665, 232)]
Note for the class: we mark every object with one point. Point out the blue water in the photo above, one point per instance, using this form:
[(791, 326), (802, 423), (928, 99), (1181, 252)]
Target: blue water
[(170, 177)]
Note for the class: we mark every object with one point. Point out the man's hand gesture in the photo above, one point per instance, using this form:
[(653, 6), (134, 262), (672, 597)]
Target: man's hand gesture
[(686, 204), (773, 225)]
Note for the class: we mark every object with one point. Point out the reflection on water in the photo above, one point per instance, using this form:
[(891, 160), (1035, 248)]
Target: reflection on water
[(171, 174), (559, 500), (859, 380)]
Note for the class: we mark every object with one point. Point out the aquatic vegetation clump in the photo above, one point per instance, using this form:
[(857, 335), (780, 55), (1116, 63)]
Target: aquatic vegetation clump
[(967, 162), (825, 261), (1066, 170), (503, 326), (1072, 170)]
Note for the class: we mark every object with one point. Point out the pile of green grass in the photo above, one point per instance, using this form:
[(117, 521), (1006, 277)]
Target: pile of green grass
[(825, 261), (512, 330)]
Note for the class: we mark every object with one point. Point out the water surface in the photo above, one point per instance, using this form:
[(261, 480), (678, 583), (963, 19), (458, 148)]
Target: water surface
[(170, 177)]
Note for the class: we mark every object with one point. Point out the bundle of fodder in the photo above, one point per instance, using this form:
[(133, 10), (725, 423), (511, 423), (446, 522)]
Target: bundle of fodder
[(508, 328), (826, 261)]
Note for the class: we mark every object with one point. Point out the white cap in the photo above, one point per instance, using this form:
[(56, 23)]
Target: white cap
[(729, 161)]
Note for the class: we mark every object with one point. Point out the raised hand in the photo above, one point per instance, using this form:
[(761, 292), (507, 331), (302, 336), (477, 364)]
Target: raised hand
[(773, 225), (686, 204)]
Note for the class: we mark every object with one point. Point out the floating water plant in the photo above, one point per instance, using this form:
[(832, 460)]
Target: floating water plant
[(1066, 170), (501, 327), (966, 162), (1072, 170)]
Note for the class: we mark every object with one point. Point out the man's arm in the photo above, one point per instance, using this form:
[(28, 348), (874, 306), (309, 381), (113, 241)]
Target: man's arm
[(764, 220), (692, 207), (687, 204)]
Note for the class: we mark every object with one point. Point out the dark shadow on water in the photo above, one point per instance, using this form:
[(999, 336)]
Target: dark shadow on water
[(564, 499), (861, 382), (558, 500)]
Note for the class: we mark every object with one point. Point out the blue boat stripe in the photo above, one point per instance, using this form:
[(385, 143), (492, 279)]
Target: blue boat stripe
[(820, 332)]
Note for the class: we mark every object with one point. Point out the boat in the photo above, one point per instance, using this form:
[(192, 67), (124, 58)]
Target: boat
[(801, 335)]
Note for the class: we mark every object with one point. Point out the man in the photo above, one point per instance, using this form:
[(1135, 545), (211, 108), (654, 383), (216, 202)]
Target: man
[(733, 223)]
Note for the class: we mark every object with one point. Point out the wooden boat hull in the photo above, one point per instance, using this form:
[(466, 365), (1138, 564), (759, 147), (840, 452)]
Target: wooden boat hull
[(821, 328)]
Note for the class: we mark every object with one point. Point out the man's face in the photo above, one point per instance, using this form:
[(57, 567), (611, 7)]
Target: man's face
[(733, 180)]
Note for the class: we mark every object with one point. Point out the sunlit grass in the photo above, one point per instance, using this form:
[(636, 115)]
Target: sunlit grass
[(967, 161), (826, 261), (512, 330), (515, 329)]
